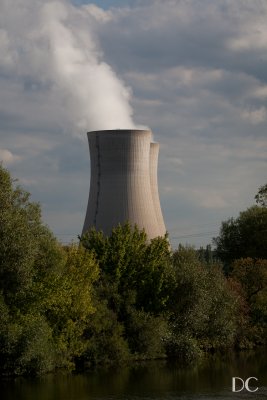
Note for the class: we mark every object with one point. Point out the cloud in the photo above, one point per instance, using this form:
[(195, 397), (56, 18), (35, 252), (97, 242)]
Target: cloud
[(6, 56), (158, 35), (53, 51), (7, 157), (255, 116)]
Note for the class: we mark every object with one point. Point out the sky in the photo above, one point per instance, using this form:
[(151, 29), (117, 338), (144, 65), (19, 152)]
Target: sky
[(192, 71)]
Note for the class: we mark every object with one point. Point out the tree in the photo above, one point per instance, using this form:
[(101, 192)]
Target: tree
[(251, 274), (203, 309), (205, 255), (261, 196), (68, 302), (245, 236), (20, 230), (105, 341), (25, 335), (136, 283), (46, 291), (137, 268)]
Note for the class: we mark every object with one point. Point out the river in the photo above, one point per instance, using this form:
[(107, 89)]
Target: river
[(156, 380)]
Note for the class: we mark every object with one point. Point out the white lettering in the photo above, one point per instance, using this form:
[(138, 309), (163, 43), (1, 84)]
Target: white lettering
[(247, 383), (234, 384)]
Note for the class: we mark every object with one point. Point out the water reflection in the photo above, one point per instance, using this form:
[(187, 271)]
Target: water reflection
[(211, 379)]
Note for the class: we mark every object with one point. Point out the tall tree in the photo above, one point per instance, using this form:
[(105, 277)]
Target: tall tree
[(203, 305), (245, 236), (261, 196), (20, 231), (136, 282), (45, 291), (135, 266), (251, 274)]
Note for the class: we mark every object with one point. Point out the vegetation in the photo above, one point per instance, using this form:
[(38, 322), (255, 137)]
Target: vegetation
[(242, 247), (45, 290), (135, 284), (245, 236), (119, 298), (203, 309), (251, 275), (261, 196)]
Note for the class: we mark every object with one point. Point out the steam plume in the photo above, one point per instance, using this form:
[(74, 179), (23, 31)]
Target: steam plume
[(101, 97), (60, 50)]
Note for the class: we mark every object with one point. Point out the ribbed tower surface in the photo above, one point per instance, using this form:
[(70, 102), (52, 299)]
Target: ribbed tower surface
[(123, 183), (154, 153)]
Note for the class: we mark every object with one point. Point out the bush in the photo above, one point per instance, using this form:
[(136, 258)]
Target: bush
[(146, 334), (204, 307), (26, 345), (104, 336), (183, 348), (251, 275)]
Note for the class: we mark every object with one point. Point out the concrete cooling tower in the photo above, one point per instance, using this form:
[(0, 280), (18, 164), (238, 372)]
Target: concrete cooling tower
[(123, 184)]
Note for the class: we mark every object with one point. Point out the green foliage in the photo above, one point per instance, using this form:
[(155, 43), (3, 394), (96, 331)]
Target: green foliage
[(183, 347), (146, 334), (252, 276), (122, 297), (135, 266), (19, 232), (136, 282), (189, 303), (68, 301), (245, 236), (26, 343), (261, 196), (206, 255), (223, 313), (242, 246), (69, 294), (46, 291), (105, 341), (203, 306)]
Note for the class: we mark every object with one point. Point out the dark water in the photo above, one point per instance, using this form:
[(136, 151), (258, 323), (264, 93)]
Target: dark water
[(160, 380)]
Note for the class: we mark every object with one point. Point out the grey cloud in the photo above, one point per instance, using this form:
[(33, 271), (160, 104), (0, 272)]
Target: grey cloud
[(158, 35)]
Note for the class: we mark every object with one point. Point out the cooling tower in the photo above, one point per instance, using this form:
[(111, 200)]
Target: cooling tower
[(123, 184), (154, 153)]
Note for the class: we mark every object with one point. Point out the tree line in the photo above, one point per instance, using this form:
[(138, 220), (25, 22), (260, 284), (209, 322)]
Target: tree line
[(115, 299)]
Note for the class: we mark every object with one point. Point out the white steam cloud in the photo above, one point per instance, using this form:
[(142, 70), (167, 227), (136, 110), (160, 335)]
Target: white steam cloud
[(54, 48)]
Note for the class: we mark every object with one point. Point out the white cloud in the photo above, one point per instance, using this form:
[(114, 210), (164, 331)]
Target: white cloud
[(7, 157), (57, 53), (253, 35), (98, 13), (261, 92)]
